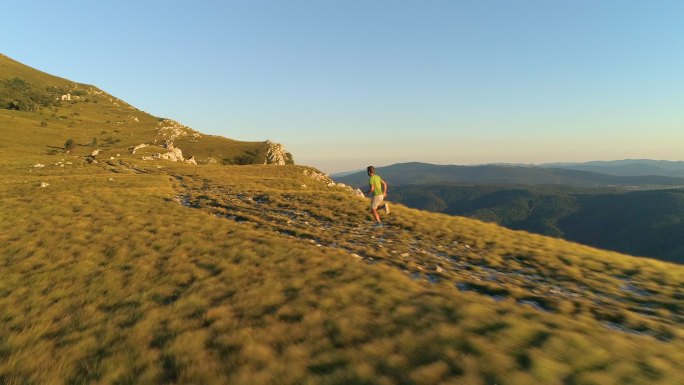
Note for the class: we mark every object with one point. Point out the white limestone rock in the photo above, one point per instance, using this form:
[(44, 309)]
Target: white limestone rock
[(136, 148), (171, 130), (276, 154), (175, 154)]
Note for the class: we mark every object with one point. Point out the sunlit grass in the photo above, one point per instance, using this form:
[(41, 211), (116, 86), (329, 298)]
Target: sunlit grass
[(113, 281)]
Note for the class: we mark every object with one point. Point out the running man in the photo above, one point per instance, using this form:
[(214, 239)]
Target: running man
[(378, 189)]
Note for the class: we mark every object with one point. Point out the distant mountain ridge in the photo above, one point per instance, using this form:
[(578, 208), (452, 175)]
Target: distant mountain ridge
[(626, 167), (421, 173)]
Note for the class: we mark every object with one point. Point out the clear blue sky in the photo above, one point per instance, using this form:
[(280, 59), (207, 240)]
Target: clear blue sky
[(348, 83)]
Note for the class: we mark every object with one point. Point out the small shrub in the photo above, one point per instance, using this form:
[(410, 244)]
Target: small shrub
[(69, 145)]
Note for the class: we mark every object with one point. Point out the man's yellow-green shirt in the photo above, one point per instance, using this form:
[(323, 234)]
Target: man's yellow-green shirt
[(376, 181)]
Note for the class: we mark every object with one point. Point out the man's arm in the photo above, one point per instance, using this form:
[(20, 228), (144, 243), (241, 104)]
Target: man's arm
[(384, 188)]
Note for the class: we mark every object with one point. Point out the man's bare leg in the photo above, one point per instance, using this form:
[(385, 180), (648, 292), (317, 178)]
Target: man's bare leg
[(376, 215)]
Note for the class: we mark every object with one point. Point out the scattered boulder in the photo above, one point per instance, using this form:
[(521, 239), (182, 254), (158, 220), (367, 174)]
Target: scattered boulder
[(95, 153), (171, 130), (325, 178), (44, 184), (38, 165), (175, 154), (316, 175), (136, 148)]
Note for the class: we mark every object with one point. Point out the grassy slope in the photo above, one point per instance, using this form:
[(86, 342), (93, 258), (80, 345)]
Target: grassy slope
[(115, 125), (114, 281), (133, 272)]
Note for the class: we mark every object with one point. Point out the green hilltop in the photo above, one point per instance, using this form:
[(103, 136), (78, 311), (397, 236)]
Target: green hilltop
[(116, 269), (48, 110)]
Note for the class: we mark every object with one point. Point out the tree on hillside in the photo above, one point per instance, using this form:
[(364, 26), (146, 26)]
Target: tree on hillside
[(70, 145)]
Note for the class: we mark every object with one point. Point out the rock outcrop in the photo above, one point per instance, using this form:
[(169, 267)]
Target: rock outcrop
[(325, 178), (175, 154), (171, 130), (276, 154), (138, 147)]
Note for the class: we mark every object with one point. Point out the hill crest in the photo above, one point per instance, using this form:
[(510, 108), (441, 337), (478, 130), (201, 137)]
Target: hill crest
[(95, 120)]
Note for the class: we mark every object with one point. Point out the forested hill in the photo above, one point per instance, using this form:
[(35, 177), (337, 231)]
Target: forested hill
[(627, 167), (647, 223)]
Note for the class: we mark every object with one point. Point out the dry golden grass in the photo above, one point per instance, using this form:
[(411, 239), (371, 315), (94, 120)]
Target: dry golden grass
[(115, 282)]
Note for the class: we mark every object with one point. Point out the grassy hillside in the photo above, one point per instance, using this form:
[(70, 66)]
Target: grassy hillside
[(33, 115), (647, 223), (217, 274), (127, 271), (422, 173)]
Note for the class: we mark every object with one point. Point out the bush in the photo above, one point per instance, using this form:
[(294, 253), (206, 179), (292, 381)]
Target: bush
[(17, 94), (69, 145)]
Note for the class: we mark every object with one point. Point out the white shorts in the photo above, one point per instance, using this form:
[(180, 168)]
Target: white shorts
[(377, 201)]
